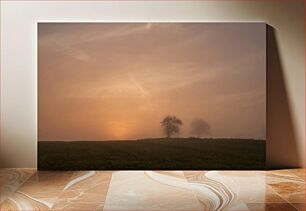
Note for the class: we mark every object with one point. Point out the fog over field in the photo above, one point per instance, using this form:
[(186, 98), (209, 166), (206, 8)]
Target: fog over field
[(115, 81)]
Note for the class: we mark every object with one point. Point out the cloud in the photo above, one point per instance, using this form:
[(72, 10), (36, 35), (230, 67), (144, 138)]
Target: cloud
[(68, 43), (137, 85)]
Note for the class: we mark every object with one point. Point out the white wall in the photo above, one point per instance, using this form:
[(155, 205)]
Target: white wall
[(19, 63)]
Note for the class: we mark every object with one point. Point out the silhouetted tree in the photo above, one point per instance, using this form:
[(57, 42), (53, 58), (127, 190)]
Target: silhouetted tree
[(200, 127), (171, 125)]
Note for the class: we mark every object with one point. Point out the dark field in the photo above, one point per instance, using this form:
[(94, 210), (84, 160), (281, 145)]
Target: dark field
[(153, 154)]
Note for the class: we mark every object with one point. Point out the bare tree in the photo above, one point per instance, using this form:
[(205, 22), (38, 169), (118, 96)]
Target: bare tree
[(200, 127), (171, 125)]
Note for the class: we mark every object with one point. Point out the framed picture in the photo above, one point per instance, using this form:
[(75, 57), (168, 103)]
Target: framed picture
[(128, 96)]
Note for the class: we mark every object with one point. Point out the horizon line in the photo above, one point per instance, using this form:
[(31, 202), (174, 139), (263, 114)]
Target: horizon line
[(119, 140)]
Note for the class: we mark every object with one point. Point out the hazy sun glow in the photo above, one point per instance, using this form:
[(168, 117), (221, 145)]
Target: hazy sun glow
[(119, 130), (102, 81)]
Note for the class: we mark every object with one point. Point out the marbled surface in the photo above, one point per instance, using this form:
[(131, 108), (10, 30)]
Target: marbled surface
[(11, 180), (27, 189)]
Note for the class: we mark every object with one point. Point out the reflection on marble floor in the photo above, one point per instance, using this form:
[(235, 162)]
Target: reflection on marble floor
[(27, 189)]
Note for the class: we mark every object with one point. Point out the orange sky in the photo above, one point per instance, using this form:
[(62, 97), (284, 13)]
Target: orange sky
[(103, 81)]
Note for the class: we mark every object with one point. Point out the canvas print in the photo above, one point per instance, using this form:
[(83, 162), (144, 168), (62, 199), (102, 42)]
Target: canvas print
[(168, 96)]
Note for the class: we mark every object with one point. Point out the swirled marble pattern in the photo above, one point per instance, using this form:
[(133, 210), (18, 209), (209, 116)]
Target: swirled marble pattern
[(39, 192), (86, 191), (148, 190), (222, 197), (12, 179), (27, 189)]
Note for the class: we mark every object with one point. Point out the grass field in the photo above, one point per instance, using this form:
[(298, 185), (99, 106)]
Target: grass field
[(153, 154)]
